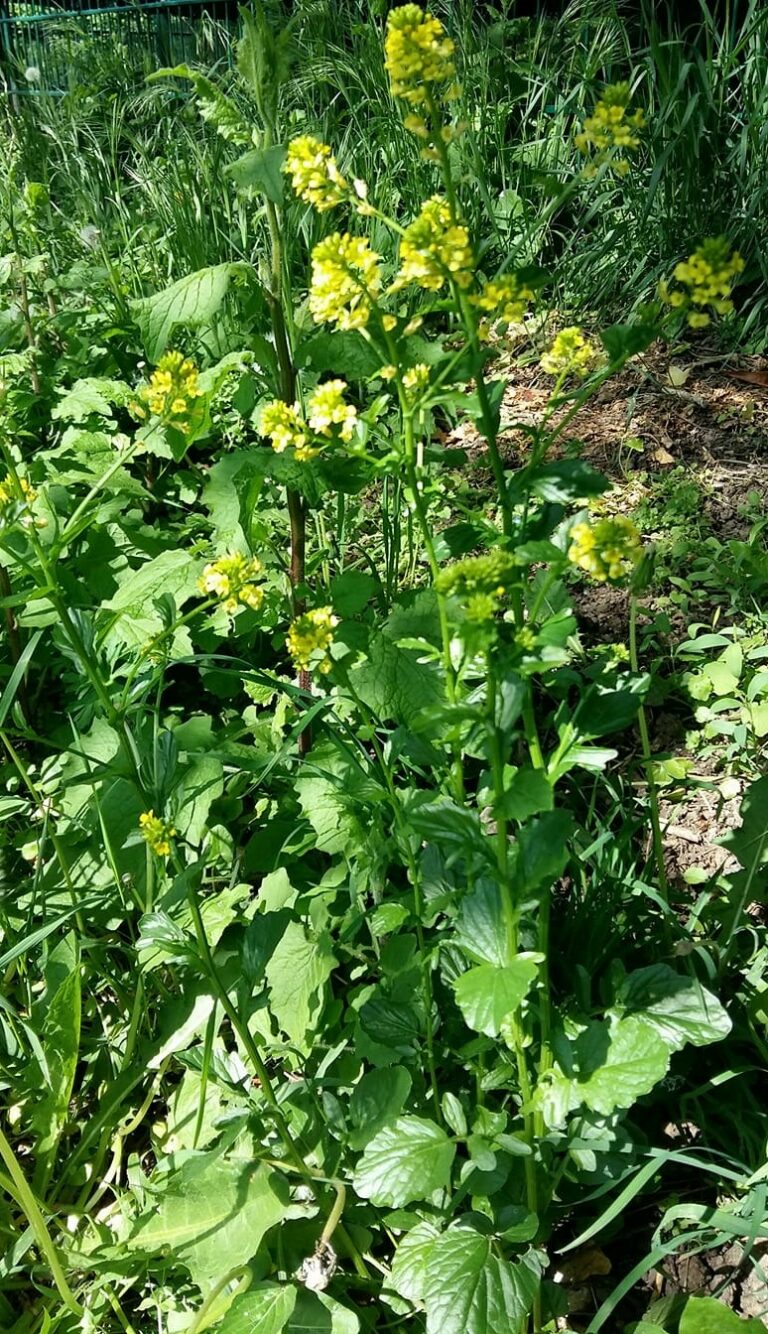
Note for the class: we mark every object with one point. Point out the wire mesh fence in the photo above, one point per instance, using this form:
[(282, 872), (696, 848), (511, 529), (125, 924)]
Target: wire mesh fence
[(53, 49)]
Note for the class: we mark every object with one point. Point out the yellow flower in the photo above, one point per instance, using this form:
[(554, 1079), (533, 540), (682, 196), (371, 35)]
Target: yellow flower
[(310, 638), (157, 833), (415, 381), (570, 354), (315, 177), (284, 426), (610, 130), (706, 279), (490, 575), (327, 410), (346, 280), (433, 249), (418, 54), (15, 501), (172, 390), (231, 579), (608, 549), (505, 301)]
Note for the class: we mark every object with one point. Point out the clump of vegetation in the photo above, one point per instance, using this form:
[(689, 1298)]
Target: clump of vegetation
[(343, 987)]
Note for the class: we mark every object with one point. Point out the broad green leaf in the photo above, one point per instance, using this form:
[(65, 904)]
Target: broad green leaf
[(317, 1313), (212, 1214), (266, 1308), (567, 479), (173, 571), (406, 1161), (469, 1290), (448, 824), (409, 1266), (480, 928), (260, 170), (297, 974), (92, 396), (378, 1099), (543, 848), (60, 1044), (749, 842), (679, 1008), (330, 788), (191, 301), (345, 353), (706, 1315), (392, 1024), (614, 1064), (394, 684), (602, 711), (626, 340), (486, 995), (527, 793)]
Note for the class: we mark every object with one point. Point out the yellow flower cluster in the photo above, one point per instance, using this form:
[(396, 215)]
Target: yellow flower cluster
[(434, 248), (415, 381), (157, 833), (285, 427), (15, 499), (610, 131), (570, 354), (503, 300), (706, 279), (310, 637), (479, 582), (327, 410), (172, 390), (418, 54), (608, 549), (314, 174), (232, 578), (346, 280)]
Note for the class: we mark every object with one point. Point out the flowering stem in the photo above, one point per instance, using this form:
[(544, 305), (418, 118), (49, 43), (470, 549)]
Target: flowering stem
[(429, 547), (645, 743)]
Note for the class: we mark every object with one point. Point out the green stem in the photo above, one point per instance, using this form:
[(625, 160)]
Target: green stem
[(201, 1320), (38, 1225), (244, 1034), (653, 793)]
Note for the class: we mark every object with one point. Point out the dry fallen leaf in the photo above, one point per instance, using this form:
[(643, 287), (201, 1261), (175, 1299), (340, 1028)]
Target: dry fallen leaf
[(588, 1262), (751, 377)]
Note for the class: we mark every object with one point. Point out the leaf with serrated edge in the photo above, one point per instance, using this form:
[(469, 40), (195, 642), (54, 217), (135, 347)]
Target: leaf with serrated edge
[(408, 1275), (469, 1290), (266, 1308), (406, 1161)]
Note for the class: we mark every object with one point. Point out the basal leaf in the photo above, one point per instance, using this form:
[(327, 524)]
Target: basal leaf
[(212, 1214), (191, 301), (486, 995), (406, 1161), (394, 683)]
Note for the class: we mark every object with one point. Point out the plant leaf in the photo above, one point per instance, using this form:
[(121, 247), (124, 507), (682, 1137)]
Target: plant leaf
[(266, 1307), (406, 1161), (469, 1290), (212, 1214), (487, 994), (296, 974), (191, 301), (706, 1315)]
